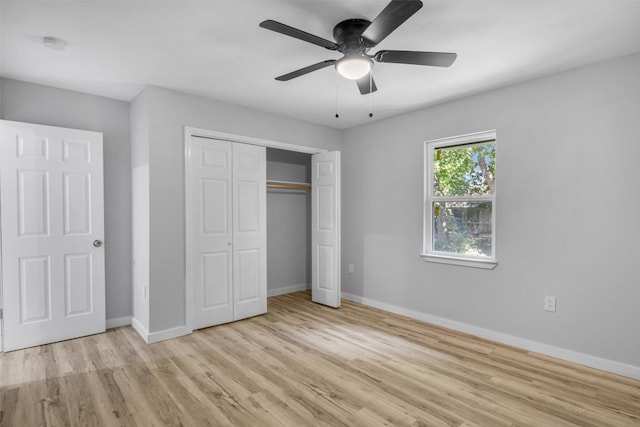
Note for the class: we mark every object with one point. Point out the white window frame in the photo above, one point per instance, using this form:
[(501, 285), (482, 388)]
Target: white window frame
[(428, 254)]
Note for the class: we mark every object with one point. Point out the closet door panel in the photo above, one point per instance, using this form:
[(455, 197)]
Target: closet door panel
[(215, 279), (248, 195), (215, 212), (325, 228), (211, 231), (249, 275), (249, 230)]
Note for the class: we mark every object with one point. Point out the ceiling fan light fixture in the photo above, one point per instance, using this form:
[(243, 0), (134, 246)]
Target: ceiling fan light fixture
[(354, 67)]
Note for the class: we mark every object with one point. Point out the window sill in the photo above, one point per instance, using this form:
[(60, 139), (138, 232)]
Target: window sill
[(475, 263)]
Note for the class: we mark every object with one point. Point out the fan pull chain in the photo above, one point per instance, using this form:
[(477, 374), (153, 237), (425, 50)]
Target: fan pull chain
[(337, 115), (370, 94)]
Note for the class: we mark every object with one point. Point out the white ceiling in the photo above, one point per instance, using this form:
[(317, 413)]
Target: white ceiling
[(216, 49)]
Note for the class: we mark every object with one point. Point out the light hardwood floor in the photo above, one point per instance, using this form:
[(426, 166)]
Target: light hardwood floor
[(303, 364)]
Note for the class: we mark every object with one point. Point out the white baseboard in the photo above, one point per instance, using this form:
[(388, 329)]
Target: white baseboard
[(140, 329), (612, 366), (118, 321), (168, 334), (287, 290), (152, 337)]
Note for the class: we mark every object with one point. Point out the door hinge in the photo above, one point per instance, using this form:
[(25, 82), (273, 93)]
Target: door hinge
[(1, 314)]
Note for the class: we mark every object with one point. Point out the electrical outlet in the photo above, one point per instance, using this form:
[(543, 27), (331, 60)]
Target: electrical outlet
[(350, 268), (550, 303)]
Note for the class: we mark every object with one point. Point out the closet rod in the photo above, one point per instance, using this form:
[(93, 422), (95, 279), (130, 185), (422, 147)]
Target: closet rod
[(288, 185)]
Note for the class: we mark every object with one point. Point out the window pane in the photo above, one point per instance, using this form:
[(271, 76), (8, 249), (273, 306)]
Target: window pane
[(464, 170), (462, 228)]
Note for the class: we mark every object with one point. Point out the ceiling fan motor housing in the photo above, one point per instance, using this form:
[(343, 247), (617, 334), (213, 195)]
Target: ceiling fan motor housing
[(348, 36)]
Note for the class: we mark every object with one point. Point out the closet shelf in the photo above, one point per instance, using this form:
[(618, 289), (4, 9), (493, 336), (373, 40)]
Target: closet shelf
[(289, 185)]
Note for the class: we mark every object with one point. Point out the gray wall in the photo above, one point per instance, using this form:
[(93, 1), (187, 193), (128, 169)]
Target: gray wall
[(168, 113), (567, 212), (26, 102), (288, 222)]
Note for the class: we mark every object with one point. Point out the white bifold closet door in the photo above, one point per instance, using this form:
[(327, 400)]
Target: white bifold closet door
[(228, 260), (325, 228), (51, 193)]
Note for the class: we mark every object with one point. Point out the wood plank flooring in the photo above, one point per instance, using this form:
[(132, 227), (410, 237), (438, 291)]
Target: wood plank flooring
[(303, 364)]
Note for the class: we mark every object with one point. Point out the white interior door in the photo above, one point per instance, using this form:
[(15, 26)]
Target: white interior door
[(325, 228), (211, 231), (51, 209), (249, 230)]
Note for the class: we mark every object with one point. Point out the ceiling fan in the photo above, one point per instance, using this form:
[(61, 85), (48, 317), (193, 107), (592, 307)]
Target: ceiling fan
[(355, 37)]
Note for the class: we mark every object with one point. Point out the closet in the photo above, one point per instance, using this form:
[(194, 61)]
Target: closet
[(230, 268), (288, 221), (323, 232)]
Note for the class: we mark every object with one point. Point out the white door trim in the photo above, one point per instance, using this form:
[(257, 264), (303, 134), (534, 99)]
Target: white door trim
[(190, 131)]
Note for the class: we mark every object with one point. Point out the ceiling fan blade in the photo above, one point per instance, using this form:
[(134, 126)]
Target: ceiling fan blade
[(434, 59), (389, 19), (298, 34), (305, 70), (365, 85)]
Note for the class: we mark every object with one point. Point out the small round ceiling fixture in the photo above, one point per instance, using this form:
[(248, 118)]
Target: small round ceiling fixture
[(354, 66), (54, 43)]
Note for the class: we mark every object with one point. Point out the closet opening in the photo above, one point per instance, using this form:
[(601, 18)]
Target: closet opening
[(262, 218), (289, 263)]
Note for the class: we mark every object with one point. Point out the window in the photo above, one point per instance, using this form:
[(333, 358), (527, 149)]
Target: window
[(460, 200)]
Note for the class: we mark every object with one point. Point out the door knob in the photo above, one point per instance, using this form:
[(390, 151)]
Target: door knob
[(97, 243)]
